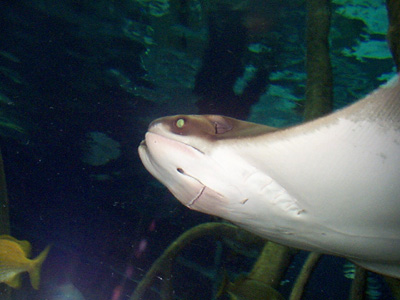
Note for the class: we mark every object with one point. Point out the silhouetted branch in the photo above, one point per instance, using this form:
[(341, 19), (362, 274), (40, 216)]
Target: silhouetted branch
[(318, 64)]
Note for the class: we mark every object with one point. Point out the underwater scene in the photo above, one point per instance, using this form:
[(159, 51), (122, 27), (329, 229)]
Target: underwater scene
[(104, 197)]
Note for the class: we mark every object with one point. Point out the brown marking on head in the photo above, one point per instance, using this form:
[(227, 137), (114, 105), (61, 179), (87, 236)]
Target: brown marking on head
[(212, 127)]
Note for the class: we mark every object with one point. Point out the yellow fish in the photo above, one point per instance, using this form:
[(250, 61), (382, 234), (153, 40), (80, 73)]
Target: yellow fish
[(14, 260)]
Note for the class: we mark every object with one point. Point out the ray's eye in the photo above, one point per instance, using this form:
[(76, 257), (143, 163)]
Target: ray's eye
[(180, 123)]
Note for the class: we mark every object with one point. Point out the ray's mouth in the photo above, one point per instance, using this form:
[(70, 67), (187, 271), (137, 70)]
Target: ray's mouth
[(201, 191), (199, 194)]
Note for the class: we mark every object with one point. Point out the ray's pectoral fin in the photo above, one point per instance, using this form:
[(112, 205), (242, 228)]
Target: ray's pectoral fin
[(388, 269)]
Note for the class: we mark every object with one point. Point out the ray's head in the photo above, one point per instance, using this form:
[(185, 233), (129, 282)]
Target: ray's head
[(177, 150)]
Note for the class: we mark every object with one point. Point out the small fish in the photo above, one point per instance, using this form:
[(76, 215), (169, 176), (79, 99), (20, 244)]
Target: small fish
[(14, 260)]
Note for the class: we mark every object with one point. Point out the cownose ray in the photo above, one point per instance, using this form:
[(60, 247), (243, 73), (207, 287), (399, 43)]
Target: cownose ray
[(331, 185)]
